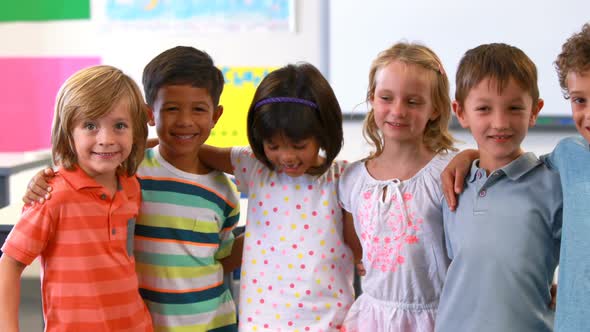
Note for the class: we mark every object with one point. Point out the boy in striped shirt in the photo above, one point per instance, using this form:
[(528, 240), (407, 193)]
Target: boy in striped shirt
[(188, 211)]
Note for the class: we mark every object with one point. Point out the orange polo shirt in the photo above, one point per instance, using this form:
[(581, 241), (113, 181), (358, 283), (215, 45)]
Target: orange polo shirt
[(84, 239)]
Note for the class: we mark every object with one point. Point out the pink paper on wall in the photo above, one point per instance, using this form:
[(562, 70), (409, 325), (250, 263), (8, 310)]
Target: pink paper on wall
[(28, 87)]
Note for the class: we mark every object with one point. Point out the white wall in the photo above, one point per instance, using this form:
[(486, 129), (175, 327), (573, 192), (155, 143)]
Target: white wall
[(361, 29), (131, 49)]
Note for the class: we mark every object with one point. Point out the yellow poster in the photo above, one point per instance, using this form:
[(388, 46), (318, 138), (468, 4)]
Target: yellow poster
[(240, 85)]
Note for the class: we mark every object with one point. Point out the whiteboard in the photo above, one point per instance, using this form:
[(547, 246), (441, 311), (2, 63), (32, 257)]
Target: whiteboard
[(359, 30)]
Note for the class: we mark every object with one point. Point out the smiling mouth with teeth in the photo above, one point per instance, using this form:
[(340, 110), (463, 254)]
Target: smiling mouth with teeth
[(105, 154), (289, 166), (185, 136), (395, 124)]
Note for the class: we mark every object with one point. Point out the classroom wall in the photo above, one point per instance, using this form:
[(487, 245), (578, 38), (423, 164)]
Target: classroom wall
[(130, 47), (260, 48), (125, 44)]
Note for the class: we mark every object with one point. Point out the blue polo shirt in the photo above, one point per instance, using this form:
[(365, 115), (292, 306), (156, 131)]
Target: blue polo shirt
[(503, 241), (571, 158)]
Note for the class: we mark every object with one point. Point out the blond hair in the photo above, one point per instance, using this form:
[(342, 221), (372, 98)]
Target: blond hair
[(437, 137), (90, 94)]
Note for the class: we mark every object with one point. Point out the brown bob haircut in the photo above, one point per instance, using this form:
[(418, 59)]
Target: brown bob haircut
[(296, 121), (90, 94)]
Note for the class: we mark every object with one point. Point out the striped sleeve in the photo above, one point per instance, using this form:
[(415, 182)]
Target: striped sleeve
[(226, 235), (31, 233)]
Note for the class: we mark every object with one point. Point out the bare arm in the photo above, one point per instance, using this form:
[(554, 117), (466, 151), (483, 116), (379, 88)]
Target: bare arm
[(10, 272), (38, 189), (234, 260), (453, 176), (151, 142), (352, 241), (217, 158)]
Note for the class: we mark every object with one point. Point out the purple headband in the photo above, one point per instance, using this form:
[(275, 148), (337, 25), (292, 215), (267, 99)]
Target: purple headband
[(285, 100)]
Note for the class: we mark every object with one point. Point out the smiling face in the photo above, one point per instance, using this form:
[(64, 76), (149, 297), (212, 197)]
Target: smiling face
[(184, 116), (402, 102), (292, 158), (498, 120), (103, 144), (578, 86)]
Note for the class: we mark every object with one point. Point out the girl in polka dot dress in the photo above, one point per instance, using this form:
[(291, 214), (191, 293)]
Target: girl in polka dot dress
[(297, 269), (395, 196)]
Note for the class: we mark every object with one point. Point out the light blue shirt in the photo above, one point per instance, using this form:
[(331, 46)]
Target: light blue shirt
[(503, 241), (572, 160)]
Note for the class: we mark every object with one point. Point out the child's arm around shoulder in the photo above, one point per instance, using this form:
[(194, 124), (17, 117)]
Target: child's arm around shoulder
[(10, 273), (38, 189), (234, 260), (345, 184), (352, 241), (217, 158)]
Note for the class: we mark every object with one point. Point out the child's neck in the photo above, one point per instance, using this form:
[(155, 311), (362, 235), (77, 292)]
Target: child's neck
[(188, 163), (400, 161), (110, 183)]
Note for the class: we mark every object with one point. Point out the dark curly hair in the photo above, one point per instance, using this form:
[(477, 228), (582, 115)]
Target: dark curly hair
[(574, 57)]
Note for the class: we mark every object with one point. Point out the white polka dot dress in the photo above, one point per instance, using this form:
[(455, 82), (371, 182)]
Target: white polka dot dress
[(296, 270)]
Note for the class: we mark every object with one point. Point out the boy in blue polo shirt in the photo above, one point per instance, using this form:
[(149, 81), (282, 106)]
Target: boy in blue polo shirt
[(503, 239), (571, 158)]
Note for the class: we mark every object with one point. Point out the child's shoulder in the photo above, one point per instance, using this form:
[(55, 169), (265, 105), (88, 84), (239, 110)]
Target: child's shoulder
[(339, 168), (569, 152), (347, 168), (220, 179), (246, 152), (572, 143), (529, 168), (437, 164), (442, 159), (65, 183)]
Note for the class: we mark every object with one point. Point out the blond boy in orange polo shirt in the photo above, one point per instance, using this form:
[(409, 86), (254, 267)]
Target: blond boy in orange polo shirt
[(84, 235)]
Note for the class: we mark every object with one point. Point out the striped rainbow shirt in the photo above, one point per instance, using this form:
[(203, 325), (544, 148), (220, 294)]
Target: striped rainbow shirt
[(185, 226)]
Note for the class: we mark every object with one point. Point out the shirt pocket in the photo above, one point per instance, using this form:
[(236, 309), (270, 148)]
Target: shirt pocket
[(130, 235)]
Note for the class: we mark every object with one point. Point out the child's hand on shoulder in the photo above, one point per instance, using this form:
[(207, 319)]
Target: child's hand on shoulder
[(360, 268), (38, 189)]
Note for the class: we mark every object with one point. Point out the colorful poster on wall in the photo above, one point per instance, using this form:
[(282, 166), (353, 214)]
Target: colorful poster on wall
[(28, 87), (205, 15), (44, 10), (240, 85)]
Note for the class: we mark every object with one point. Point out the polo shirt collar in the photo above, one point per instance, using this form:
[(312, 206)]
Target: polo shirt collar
[(514, 170), (521, 166), (78, 179)]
